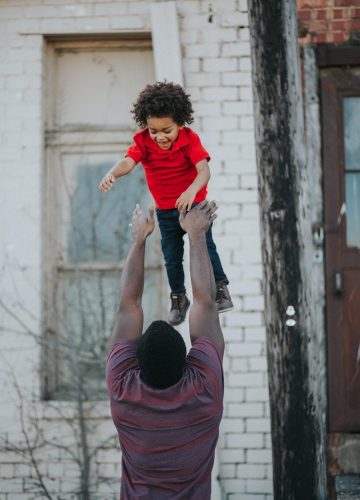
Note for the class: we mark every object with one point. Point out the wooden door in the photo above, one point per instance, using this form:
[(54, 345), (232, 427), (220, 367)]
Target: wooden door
[(340, 96)]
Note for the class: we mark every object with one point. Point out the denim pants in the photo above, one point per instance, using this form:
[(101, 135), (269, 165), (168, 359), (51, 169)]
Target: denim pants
[(172, 246)]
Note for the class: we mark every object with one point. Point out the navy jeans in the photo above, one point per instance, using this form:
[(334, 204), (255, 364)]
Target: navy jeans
[(172, 246)]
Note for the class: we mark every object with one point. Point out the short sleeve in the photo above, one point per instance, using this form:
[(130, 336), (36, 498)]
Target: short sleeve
[(121, 359), (136, 151), (196, 151), (205, 357)]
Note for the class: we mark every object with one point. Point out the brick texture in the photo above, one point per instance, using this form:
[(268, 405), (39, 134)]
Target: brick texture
[(327, 21)]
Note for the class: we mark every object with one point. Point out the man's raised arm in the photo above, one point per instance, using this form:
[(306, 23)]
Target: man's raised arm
[(204, 317), (129, 316)]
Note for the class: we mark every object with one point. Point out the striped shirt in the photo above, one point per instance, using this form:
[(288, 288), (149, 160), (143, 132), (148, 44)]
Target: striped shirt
[(168, 436)]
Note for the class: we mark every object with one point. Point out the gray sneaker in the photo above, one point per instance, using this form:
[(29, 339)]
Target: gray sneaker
[(223, 299), (179, 306)]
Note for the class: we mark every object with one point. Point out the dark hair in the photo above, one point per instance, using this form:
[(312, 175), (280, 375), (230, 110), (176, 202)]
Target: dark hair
[(161, 354), (163, 99)]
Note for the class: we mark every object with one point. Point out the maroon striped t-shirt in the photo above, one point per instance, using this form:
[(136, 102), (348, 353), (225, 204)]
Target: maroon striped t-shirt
[(168, 436)]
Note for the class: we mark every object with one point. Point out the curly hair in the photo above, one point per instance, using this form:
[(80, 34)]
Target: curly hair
[(161, 354), (163, 99)]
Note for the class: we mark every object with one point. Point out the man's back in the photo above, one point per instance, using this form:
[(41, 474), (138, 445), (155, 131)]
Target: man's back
[(168, 436)]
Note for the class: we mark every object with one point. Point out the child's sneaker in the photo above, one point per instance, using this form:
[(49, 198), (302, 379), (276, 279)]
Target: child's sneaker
[(179, 306), (223, 299)]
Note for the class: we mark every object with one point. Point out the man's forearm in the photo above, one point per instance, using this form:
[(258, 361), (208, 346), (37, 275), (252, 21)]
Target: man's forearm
[(202, 277), (132, 277)]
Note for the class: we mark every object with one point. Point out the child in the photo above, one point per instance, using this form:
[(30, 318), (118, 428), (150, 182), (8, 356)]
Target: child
[(177, 172)]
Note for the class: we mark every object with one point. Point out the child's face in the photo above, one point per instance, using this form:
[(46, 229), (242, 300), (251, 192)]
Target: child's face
[(164, 131)]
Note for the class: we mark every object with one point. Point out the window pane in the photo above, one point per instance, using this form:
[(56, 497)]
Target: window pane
[(91, 226), (353, 209), (86, 309), (99, 222), (352, 132)]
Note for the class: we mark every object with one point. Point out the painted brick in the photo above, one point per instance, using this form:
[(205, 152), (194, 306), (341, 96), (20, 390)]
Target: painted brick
[(238, 108), (259, 486), (191, 64), (245, 380), (250, 471), (254, 303), (237, 78), (245, 64), (258, 425), (239, 137), (245, 441), (247, 496), (246, 410), (220, 64), (245, 348), (232, 425), (249, 181), (259, 456), (239, 365), (258, 364), (216, 35), (255, 334), (227, 471), (194, 21), (189, 37), (203, 50), (75, 10), (256, 394), (246, 287), (236, 19), (127, 22), (235, 49), (202, 79), (232, 456), (237, 485), (235, 394), (222, 123), (43, 11), (246, 94), (220, 94), (110, 9)]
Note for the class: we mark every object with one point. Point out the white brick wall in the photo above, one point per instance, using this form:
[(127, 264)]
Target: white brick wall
[(217, 73)]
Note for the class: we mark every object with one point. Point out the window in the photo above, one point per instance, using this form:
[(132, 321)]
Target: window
[(90, 89)]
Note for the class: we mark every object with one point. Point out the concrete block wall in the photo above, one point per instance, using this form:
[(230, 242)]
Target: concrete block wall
[(217, 73)]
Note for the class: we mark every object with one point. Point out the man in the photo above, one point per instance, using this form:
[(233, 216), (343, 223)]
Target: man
[(167, 405)]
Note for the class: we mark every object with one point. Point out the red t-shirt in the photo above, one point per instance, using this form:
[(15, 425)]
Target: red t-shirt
[(167, 436), (169, 172)]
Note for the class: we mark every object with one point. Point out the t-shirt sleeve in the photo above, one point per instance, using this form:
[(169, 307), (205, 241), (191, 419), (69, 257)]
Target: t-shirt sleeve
[(196, 150), (121, 359), (205, 357), (136, 151)]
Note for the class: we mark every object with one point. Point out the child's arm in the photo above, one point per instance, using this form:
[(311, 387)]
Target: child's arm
[(122, 167), (185, 200)]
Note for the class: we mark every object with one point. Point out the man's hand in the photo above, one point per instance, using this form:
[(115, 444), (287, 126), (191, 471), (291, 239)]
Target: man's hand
[(199, 218), (106, 182), (141, 225), (185, 200)]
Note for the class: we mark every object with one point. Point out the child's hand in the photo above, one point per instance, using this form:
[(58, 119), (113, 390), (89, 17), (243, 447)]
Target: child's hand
[(185, 200), (106, 182)]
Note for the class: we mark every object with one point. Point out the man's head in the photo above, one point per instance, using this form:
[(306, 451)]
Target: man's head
[(161, 355)]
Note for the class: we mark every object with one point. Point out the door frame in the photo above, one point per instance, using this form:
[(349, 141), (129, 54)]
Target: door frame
[(332, 61)]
